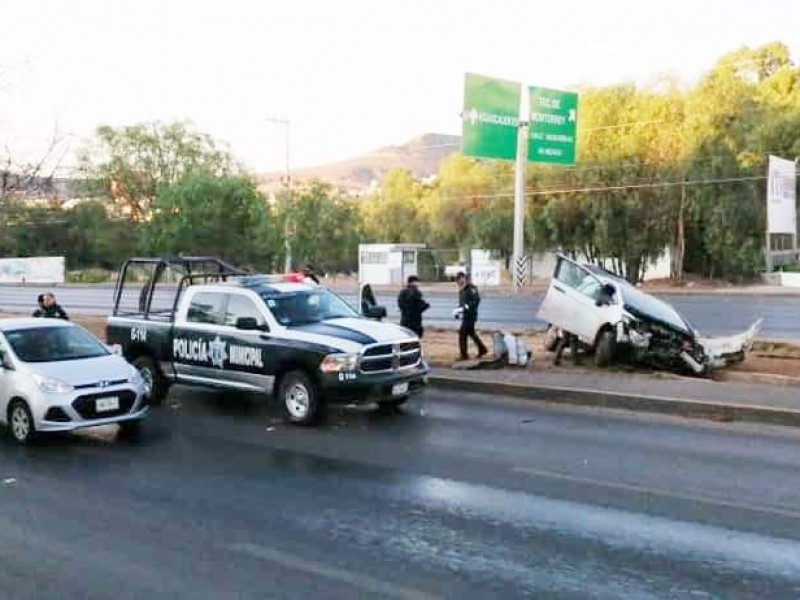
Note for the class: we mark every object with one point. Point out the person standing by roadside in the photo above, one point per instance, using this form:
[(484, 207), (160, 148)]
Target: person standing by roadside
[(49, 308), (468, 301), (412, 305)]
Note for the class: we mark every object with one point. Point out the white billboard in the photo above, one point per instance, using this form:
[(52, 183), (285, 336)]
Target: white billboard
[(45, 269), (781, 194)]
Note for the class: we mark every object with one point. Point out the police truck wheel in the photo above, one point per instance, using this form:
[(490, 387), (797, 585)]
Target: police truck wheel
[(300, 398), (156, 385)]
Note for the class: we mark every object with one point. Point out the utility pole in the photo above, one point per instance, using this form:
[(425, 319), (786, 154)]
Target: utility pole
[(288, 227)]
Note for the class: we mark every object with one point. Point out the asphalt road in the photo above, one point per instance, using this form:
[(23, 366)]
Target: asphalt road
[(711, 314), (459, 497)]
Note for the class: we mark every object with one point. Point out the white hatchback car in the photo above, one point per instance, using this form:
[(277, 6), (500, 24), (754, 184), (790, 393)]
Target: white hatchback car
[(611, 317), (56, 376)]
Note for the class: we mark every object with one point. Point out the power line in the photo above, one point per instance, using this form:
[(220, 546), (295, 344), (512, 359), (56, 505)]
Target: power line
[(612, 188)]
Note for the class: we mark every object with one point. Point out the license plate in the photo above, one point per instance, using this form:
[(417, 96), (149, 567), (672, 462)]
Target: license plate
[(399, 389), (106, 404)]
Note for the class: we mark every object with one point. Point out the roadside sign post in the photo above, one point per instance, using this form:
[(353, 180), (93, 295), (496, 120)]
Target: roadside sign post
[(519, 264), (492, 128)]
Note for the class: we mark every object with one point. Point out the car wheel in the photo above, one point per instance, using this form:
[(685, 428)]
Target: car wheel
[(605, 349), (156, 384), (390, 407), (130, 430), (300, 398), (20, 422), (551, 338)]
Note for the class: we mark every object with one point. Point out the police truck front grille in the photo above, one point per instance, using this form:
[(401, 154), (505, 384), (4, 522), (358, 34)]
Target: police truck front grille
[(386, 358), (384, 350), (86, 406)]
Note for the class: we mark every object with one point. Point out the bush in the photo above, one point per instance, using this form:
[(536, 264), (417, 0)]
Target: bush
[(90, 276)]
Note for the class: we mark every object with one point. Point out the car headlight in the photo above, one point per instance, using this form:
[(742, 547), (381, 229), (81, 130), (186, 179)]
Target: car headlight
[(334, 363), (52, 386)]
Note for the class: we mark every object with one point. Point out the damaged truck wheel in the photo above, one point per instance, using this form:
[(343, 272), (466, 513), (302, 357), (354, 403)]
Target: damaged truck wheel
[(606, 348), (551, 338)]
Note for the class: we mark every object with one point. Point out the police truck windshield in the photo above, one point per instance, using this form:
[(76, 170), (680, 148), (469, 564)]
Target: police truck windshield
[(305, 307)]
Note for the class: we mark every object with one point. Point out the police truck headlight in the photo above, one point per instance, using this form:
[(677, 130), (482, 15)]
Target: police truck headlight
[(334, 363)]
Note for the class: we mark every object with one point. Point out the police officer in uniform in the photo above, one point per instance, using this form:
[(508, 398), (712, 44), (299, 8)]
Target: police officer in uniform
[(412, 305), (467, 311)]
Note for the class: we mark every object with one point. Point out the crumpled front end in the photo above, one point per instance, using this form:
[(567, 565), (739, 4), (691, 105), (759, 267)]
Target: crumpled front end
[(651, 342), (726, 350), (656, 344)]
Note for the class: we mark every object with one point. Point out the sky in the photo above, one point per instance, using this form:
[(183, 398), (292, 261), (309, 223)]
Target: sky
[(349, 75)]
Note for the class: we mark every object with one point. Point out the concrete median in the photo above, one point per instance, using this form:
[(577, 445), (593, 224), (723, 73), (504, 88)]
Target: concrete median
[(776, 405)]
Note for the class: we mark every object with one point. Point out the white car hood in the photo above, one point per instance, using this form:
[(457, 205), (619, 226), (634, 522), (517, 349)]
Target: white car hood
[(85, 371), (719, 348)]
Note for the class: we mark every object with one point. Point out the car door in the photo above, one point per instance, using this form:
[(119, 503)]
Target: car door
[(248, 351), (198, 350), (6, 378), (571, 301)]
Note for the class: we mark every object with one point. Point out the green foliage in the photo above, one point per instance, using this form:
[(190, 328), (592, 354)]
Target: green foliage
[(91, 276), (323, 228), (131, 163), (85, 235), (207, 215)]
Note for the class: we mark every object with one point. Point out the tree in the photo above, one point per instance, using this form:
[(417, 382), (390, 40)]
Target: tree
[(131, 163), (396, 214), (223, 216), (325, 227)]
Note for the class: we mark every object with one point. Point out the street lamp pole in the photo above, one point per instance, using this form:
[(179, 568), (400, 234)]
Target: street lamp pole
[(287, 265)]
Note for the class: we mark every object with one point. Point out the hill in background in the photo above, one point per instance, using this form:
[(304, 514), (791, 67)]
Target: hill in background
[(422, 156)]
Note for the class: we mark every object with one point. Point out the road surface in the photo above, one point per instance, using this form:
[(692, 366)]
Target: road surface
[(460, 497), (711, 314)]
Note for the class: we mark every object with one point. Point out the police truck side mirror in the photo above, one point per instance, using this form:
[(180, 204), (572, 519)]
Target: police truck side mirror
[(375, 312), (247, 324)]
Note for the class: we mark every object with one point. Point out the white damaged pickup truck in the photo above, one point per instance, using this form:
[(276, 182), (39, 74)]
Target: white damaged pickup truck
[(618, 322)]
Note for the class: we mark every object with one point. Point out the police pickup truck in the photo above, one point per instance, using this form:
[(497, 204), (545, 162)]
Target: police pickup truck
[(201, 321)]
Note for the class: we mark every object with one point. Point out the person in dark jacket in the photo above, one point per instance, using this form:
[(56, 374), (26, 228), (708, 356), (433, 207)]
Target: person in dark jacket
[(468, 301), (412, 305), (49, 308)]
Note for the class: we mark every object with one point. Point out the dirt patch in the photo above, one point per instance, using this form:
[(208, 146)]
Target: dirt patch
[(773, 358)]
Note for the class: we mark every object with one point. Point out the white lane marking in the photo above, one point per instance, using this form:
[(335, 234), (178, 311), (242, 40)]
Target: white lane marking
[(362, 582), (647, 491)]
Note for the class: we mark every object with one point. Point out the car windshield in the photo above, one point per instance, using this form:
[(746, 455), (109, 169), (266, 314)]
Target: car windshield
[(305, 307), (54, 344)]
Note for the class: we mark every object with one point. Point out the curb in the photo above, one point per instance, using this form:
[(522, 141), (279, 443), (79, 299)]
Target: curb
[(718, 411)]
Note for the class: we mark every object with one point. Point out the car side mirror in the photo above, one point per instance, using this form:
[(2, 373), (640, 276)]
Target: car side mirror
[(375, 312), (247, 324), (4, 363), (606, 294)]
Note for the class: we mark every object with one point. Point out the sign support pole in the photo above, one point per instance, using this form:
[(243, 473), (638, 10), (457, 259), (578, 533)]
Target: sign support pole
[(519, 260)]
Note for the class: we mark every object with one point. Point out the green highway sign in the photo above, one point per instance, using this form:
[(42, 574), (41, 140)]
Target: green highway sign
[(552, 129), (490, 119)]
